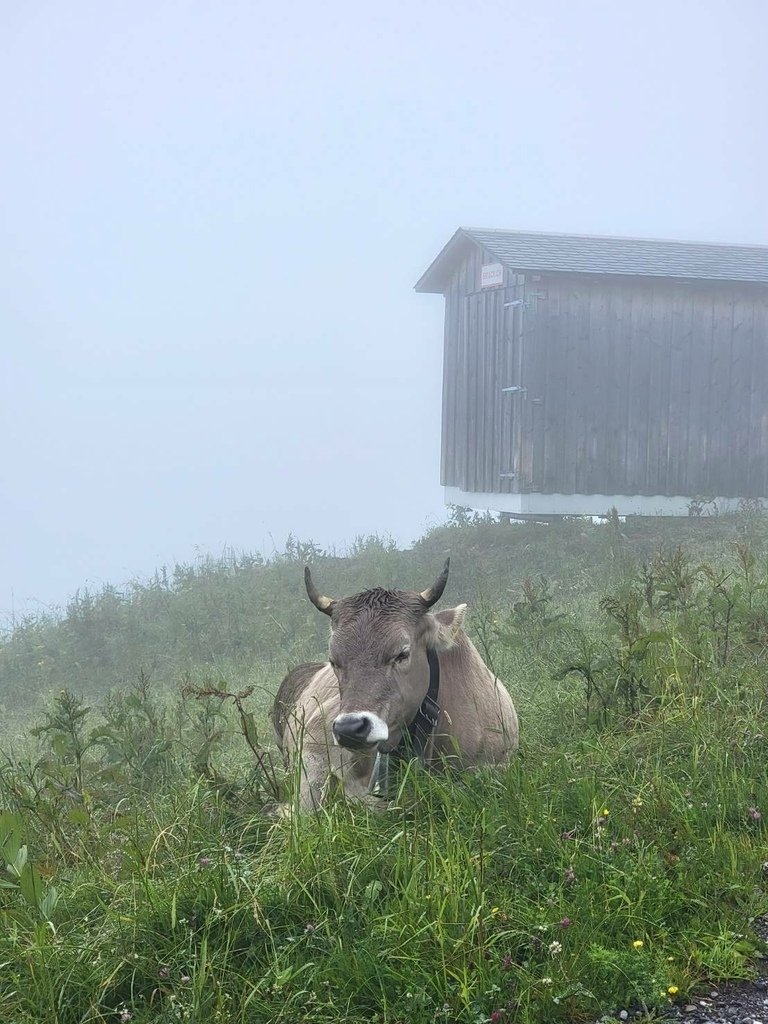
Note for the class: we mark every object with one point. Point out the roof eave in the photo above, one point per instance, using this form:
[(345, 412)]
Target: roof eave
[(435, 278)]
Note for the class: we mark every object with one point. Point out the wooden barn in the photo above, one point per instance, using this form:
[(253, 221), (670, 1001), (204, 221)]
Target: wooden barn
[(585, 372)]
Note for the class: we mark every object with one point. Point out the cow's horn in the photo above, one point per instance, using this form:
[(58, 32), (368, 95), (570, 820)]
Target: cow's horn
[(435, 592), (320, 601)]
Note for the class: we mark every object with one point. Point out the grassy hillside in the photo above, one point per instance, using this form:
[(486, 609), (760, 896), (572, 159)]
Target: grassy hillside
[(618, 862), (246, 619)]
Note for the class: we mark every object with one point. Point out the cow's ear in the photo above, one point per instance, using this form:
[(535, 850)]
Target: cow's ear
[(444, 628)]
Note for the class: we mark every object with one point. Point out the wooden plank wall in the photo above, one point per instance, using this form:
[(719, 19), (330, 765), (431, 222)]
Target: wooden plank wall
[(634, 386), (650, 387)]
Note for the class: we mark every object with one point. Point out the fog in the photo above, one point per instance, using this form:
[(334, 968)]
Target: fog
[(212, 218)]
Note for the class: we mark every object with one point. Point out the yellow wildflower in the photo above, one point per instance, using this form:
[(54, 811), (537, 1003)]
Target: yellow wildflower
[(673, 990), (638, 944)]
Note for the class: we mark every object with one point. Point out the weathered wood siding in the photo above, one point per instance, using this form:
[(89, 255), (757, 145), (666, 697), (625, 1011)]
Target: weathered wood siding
[(634, 385)]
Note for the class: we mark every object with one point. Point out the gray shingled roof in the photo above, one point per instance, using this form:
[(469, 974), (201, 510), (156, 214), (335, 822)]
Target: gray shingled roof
[(601, 254)]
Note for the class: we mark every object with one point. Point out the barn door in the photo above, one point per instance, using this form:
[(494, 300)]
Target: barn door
[(513, 390), (492, 366)]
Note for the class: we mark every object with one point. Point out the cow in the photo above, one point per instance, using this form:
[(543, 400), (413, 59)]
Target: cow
[(400, 680)]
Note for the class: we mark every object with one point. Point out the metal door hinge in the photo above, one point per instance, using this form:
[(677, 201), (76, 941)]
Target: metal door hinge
[(527, 301)]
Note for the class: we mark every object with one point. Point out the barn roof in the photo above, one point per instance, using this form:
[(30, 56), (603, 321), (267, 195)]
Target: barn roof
[(599, 254)]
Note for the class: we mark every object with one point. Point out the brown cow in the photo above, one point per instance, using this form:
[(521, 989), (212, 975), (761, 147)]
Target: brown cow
[(399, 680)]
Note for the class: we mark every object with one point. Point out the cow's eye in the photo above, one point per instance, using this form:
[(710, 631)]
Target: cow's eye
[(402, 656)]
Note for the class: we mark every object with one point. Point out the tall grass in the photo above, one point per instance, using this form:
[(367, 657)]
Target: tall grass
[(617, 862)]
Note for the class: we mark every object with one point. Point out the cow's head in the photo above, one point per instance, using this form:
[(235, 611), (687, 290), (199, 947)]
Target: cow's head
[(378, 650)]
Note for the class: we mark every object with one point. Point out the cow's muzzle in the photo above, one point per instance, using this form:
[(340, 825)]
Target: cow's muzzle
[(360, 730)]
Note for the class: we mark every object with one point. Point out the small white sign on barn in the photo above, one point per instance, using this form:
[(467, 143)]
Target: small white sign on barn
[(491, 275)]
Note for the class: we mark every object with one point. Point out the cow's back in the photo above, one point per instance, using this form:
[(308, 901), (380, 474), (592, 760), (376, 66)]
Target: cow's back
[(478, 718), (290, 694)]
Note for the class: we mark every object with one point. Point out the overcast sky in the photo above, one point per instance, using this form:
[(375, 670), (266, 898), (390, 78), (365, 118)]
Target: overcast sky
[(212, 216)]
